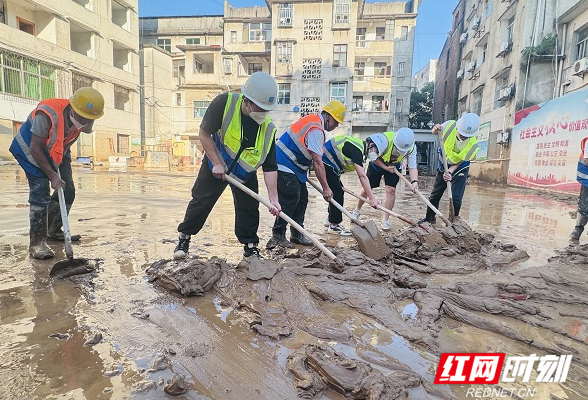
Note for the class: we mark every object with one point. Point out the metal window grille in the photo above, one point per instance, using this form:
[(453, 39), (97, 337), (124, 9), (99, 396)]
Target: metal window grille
[(341, 11), (26, 77), (121, 98), (80, 81), (284, 50), (285, 14), (360, 37)]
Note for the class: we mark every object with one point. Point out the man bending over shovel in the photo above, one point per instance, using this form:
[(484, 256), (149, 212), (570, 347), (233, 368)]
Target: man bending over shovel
[(342, 154), (385, 152), (41, 147)]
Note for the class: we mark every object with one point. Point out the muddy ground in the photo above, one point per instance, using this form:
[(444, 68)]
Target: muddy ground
[(297, 326)]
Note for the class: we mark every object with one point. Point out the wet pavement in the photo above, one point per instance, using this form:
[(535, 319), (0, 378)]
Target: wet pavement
[(128, 220)]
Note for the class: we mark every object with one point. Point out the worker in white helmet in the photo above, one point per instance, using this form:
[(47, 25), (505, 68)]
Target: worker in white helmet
[(461, 147), (238, 138), (385, 152)]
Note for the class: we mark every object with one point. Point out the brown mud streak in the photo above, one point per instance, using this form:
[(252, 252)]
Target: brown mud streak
[(550, 301)]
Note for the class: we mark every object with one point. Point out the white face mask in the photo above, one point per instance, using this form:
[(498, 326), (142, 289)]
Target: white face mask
[(372, 156), (258, 116), (75, 122)]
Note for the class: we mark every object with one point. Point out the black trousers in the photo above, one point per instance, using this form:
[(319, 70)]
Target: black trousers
[(458, 185), (334, 181), (40, 188), (205, 193), (293, 197)]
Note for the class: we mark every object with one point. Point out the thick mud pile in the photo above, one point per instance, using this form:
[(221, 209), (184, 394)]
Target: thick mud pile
[(477, 289)]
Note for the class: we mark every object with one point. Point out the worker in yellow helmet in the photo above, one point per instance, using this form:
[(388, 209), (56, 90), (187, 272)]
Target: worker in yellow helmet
[(42, 147)]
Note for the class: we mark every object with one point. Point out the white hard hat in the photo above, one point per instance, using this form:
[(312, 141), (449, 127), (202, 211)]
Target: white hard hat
[(468, 124), (261, 89), (381, 142), (404, 139)]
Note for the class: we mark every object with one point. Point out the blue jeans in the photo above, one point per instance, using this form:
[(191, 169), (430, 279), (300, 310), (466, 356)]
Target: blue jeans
[(39, 188)]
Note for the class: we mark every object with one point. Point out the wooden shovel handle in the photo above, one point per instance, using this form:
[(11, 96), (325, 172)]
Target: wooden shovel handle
[(337, 205), (392, 213), (293, 223), (424, 199)]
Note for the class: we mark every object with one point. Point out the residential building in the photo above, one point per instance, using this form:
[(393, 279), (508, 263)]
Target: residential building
[(358, 53), (572, 73), (51, 48), (425, 75)]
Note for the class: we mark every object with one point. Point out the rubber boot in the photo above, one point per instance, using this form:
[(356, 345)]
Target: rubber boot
[(278, 239), (38, 248), (55, 223), (581, 221), (297, 237)]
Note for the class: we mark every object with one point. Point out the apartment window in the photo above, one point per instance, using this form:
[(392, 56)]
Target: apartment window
[(254, 67), (284, 93), (26, 77), (377, 103), (501, 83), (80, 81), (85, 3), (233, 36), (193, 41), (260, 32), (25, 26), (198, 66), (380, 33), (122, 144), (121, 57), (227, 66), (122, 98), (338, 91), (390, 26), (200, 108), (81, 40), (360, 37), (313, 29), (447, 58), (359, 71), (399, 104), (380, 68), (310, 105), (284, 52), (285, 14), (404, 32), (120, 15), (340, 55), (2, 13), (178, 99), (401, 69), (481, 54), (509, 29), (357, 104), (342, 10), (582, 43), (488, 9), (477, 103), (311, 68), (165, 44)]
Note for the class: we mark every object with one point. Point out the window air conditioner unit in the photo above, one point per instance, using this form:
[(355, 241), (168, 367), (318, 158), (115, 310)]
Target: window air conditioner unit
[(476, 24), (505, 47), (285, 21), (471, 66), (580, 66), (460, 74), (506, 93), (502, 137), (463, 38)]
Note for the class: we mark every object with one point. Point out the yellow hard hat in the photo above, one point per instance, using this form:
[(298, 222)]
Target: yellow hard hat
[(87, 102), (336, 109)]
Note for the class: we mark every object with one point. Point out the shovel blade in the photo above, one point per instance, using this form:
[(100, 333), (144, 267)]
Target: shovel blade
[(72, 266), (370, 240)]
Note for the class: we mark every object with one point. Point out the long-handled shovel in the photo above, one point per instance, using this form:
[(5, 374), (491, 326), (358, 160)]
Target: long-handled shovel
[(293, 223), (425, 200), (368, 236), (409, 221), (445, 169), (71, 263)]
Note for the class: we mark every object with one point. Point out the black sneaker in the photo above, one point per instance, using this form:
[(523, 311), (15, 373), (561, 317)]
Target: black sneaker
[(423, 220), (250, 251), (181, 250)]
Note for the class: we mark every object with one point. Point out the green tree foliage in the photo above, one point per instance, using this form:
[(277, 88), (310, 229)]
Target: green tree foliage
[(421, 106)]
